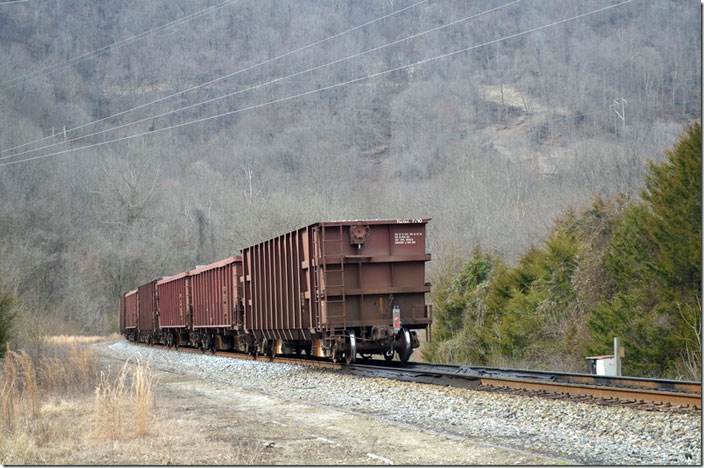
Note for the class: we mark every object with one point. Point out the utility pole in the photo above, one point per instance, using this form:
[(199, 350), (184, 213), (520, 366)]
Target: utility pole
[(620, 103)]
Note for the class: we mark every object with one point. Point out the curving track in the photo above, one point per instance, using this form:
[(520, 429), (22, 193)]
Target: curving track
[(656, 392), (648, 393)]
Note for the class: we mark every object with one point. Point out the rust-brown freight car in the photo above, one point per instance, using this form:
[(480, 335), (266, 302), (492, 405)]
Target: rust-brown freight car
[(130, 311), (147, 325), (216, 298), (121, 313), (338, 288), (174, 305)]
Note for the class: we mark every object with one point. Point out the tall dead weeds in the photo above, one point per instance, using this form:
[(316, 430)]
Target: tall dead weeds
[(67, 370), (143, 398), (10, 393), (117, 405)]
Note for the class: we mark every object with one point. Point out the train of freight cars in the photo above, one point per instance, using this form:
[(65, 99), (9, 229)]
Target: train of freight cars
[(329, 289)]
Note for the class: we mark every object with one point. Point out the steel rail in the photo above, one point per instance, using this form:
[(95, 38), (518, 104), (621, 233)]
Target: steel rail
[(622, 393), (673, 392)]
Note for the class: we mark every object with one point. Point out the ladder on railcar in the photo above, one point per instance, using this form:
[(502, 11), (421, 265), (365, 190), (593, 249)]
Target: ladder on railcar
[(334, 268)]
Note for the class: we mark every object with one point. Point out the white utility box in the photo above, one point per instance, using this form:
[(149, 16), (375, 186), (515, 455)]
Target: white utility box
[(602, 365)]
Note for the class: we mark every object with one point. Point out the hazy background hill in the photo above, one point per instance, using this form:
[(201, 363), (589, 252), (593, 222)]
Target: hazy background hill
[(492, 143)]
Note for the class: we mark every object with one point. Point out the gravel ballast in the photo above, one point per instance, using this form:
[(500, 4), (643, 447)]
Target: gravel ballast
[(576, 432)]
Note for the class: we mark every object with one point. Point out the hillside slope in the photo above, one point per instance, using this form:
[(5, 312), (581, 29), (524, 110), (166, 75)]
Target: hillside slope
[(491, 143)]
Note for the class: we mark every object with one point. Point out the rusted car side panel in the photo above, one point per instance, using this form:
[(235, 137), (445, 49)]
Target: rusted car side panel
[(146, 309), (216, 294), (131, 309), (121, 313), (277, 287), (174, 301)]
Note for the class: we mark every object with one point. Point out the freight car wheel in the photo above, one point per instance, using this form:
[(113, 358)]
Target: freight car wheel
[(350, 347), (389, 355), (406, 345)]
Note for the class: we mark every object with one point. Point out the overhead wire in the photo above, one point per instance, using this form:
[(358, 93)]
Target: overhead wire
[(115, 45), (260, 85), (325, 88), (220, 78)]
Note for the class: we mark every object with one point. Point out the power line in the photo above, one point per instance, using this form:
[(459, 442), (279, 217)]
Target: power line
[(220, 78), (14, 1), (337, 85), (234, 93), (115, 45)]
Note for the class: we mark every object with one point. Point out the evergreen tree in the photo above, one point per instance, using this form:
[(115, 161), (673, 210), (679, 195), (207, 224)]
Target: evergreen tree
[(535, 300), (654, 258), (674, 195)]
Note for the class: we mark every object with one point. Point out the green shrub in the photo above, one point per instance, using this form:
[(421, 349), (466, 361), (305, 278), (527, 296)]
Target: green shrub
[(7, 314), (460, 312)]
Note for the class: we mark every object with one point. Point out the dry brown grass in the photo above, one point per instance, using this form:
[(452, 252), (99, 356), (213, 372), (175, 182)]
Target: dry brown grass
[(69, 372), (80, 339), (62, 372), (10, 393), (117, 406), (108, 406), (143, 398), (29, 374), (65, 407)]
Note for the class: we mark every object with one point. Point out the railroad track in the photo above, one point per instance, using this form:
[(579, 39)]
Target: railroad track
[(652, 394), (671, 395)]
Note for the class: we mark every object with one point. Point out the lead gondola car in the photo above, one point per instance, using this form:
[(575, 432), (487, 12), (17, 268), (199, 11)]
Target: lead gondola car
[(338, 289)]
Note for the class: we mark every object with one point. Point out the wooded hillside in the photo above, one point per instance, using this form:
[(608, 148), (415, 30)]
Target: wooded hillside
[(492, 143)]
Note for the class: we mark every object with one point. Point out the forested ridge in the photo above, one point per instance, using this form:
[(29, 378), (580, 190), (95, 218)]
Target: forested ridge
[(493, 144)]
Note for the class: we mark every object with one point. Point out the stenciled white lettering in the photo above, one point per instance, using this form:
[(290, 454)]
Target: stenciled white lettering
[(403, 238)]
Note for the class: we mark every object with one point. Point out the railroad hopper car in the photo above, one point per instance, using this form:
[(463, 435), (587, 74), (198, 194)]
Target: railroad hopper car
[(129, 314), (147, 319), (138, 314), (201, 307), (216, 301), (338, 289), (174, 308), (122, 313)]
